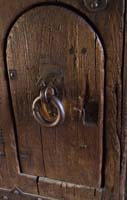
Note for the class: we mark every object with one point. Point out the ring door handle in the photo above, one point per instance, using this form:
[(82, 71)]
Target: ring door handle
[(46, 97)]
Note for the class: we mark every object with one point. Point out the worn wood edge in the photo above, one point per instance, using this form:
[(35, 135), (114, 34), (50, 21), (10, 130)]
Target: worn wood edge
[(101, 122), (61, 189), (17, 193), (123, 177)]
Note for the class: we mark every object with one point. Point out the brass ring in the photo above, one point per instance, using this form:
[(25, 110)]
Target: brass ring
[(41, 119)]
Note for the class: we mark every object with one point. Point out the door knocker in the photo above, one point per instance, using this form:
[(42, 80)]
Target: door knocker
[(41, 105), (47, 108)]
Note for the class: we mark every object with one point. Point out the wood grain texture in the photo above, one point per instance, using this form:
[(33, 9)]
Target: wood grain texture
[(17, 194), (9, 168), (49, 41), (109, 23), (64, 190), (124, 119)]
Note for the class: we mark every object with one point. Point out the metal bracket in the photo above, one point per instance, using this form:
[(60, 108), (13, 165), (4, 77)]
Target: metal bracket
[(95, 5)]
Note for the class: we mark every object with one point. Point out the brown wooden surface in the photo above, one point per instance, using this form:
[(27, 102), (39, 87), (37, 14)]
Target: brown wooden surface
[(64, 190), (110, 24), (17, 194), (124, 120), (58, 153)]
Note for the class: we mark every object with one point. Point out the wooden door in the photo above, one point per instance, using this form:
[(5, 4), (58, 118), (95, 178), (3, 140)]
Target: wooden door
[(81, 158), (41, 38)]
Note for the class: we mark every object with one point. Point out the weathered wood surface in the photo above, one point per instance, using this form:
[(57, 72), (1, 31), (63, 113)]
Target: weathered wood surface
[(17, 194), (73, 151), (124, 120), (110, 24), (62, 190), (9, 163)]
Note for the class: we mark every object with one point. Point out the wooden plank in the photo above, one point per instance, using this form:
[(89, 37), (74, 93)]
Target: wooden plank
[(65, 140)]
